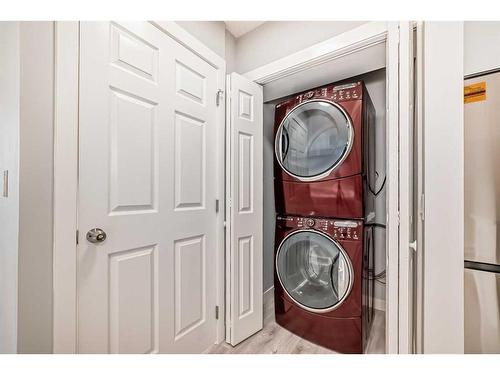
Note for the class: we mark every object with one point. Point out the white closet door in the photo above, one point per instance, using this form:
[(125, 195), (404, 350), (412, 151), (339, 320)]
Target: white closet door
[(245, 136), (147, 164)]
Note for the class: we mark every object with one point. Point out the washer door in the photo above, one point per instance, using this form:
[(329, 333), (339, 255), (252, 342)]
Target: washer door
[(314, 270), (313, 139)]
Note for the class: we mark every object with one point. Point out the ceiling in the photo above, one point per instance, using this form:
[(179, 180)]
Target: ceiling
[(239, 28)]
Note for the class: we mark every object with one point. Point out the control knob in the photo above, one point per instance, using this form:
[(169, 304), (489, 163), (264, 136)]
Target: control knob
[(310, 222)]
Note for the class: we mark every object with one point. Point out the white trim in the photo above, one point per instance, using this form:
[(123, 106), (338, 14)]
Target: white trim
[(66, 176), (405, 127), (392, 236), (227, 209), (268, 299), (443, 153), (65, 186), (346, 43), (269, 290), (350, 42), (419, 188), (221, 217)]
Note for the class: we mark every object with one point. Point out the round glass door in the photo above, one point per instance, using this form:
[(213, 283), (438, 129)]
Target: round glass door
[(314, 270), (313, 139)]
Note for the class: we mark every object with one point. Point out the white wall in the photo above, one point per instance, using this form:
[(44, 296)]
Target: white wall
[(230, 52), (9, 160), (276, 39), (35, 187), (376, 86), (481, 46), (269, 211), (443, 299), (211, 33)]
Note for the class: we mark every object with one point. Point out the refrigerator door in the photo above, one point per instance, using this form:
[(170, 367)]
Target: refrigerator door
[(481, 170), (482, 214), (482, 311)]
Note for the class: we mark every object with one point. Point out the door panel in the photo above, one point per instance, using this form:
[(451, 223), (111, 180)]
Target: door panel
[(245, 183), (133, 153), (190, 159), (244, 245), (147, 161), (190, 287), (245, 272), (132, 282)]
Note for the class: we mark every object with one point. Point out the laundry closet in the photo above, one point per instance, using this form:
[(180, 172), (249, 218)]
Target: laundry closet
[(369, 207), (326, 247)]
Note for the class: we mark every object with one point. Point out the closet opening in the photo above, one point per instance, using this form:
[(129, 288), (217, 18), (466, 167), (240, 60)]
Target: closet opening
[(300, 272)]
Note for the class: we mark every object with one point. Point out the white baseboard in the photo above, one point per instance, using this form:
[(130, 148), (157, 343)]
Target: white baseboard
[(268, 290), (268, 296), (379, 304)]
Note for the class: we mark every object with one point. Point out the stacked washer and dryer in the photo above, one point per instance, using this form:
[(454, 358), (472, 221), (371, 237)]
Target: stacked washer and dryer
[(324, 140)]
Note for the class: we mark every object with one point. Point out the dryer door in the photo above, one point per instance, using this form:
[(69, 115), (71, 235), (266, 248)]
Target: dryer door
[(314, 270), (313, 139)]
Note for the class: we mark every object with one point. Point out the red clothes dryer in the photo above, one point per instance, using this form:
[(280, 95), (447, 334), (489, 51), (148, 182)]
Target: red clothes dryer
[(321, 144), (323, 291)]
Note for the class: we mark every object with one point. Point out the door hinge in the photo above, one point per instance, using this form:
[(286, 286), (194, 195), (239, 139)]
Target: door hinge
[(216, 205), (413, 246), (229, 202), (217, 312), (219, 96), (77, 233)]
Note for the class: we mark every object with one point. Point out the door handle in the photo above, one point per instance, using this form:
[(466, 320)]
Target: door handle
[(96, 235)]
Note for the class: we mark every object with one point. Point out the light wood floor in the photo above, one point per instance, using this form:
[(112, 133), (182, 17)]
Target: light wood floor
[(274, 339)]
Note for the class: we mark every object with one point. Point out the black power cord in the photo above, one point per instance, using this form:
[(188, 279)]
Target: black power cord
[(379, 190), (380, 276)]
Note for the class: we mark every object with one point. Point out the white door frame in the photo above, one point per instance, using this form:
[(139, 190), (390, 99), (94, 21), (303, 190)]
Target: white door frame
[(346, 43), (66, 176)]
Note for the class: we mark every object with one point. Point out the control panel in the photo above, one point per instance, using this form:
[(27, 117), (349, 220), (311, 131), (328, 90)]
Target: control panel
[(346, 92), (350, 91), (345, 230), (338, 229)]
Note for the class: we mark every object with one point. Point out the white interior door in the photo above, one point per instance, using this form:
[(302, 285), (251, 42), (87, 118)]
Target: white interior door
[(146, 177), (244, 209)]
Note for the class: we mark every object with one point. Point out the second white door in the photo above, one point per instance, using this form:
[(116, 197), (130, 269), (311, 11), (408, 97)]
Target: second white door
[(147, 178), (245, 200)]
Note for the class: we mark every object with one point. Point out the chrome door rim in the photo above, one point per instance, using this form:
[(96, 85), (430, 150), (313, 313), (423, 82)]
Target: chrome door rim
[(350, 142), (349, 265)]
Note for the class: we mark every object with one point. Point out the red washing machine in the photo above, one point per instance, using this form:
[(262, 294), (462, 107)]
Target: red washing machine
[(323, 291), (321, 138)]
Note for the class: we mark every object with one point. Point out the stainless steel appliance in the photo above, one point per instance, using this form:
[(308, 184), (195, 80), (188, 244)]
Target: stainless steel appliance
[(482, 214)]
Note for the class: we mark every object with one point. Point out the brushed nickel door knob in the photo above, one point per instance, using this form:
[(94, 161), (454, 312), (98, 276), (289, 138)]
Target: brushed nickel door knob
[(96, 235)]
